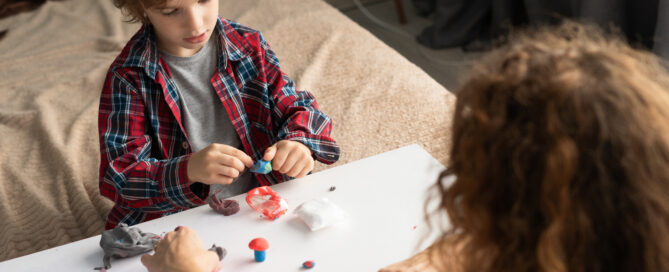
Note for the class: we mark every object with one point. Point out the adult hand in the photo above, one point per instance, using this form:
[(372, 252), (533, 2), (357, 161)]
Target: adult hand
[(217, 164), (181, 251), (291, 158)]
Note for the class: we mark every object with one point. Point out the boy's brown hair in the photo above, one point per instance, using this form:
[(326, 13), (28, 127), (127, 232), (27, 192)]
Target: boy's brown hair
[(561, 157), (135, 10)]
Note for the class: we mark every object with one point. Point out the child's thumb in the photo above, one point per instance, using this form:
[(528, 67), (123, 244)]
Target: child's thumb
[(269, 153)]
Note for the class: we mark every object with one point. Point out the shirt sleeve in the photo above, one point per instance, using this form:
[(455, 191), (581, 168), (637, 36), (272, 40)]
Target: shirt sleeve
[(128, 174), (296, 113)]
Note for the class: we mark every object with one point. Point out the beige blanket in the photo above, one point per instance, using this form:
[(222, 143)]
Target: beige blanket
[(52, 65)]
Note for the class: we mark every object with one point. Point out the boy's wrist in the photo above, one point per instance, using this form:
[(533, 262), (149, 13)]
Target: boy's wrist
[(189, 171)]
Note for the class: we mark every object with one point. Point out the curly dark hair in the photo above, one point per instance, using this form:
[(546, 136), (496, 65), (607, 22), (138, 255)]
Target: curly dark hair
[(561, 157), (134, 9)]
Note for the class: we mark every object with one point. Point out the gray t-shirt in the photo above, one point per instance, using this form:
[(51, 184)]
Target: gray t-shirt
[(203, 114)]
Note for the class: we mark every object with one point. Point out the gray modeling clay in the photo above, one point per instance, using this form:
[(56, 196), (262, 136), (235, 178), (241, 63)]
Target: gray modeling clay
[(123, 241), (220, 251)]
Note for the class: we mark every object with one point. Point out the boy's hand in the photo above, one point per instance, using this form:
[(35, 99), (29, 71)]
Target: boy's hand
[(291, 158), (181, 250), (217, 164)]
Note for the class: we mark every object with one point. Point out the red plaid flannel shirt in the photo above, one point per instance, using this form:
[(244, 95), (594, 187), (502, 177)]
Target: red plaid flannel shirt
[(144, 146)]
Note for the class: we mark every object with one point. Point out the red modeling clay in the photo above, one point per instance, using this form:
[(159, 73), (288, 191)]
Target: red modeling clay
[(267, 201), (259, 244)]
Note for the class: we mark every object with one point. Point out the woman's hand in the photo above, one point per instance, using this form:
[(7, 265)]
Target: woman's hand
[(181, 251)]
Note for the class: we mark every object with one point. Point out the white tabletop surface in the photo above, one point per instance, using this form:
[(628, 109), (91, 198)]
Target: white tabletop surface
[(384, 197)]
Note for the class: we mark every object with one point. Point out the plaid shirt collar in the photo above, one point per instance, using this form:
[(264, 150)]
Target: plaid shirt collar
[(144, 52)]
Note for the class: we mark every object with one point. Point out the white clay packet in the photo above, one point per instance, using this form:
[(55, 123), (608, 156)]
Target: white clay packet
[(319, 213)]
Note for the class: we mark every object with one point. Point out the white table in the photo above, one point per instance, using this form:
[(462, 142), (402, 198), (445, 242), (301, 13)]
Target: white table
[(384, 196)]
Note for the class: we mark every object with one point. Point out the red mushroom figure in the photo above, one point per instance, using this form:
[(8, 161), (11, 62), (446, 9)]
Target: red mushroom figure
[(259, 245)]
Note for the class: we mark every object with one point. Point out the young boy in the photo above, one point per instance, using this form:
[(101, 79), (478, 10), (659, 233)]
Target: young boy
[(189, 104)]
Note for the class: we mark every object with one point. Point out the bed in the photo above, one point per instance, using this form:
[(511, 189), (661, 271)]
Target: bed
[(53, 61)]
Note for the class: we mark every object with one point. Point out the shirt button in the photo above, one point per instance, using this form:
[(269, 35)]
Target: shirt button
[(184, 145)]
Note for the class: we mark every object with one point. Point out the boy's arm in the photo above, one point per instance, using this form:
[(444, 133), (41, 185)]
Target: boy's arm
[(128, 175), (296, 113)]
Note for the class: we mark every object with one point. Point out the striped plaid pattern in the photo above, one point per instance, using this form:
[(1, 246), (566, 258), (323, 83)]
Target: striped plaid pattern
[(144, 146)]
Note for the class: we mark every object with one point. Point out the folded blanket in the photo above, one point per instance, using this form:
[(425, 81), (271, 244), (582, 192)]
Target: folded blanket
[(52, 65)]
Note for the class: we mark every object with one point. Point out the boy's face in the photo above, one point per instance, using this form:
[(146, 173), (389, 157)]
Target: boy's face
[(182, 27)]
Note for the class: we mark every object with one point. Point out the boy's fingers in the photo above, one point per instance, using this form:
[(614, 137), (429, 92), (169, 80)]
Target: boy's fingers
[(279, 159), (248, 162), (270, 152), (221, 174), (295, 170), (289, 165), (246, 159), (232, 162), (309, 165), (304, 172), (229, 172), (221, 179), (234, 152)]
